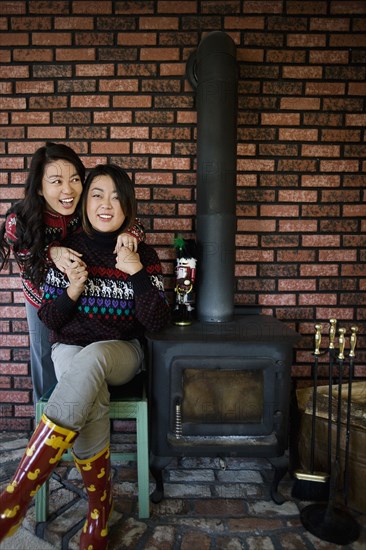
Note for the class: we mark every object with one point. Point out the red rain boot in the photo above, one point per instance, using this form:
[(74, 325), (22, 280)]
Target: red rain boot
[(45, 449), (96, 474)]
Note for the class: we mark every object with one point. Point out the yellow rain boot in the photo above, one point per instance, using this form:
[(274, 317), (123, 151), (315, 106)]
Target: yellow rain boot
[(44, 451), (96, 474)]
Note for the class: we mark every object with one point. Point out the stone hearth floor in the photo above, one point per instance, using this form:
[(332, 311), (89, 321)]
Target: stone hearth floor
[(209, 504)]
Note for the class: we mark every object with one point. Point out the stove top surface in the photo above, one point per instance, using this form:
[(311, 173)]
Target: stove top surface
[(242, 328)]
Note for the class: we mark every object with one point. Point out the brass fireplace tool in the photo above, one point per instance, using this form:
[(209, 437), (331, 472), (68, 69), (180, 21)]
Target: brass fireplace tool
[(310, 484), (324, 519)]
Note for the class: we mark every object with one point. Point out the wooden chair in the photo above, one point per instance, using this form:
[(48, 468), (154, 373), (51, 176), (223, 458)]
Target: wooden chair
[(127, 402)]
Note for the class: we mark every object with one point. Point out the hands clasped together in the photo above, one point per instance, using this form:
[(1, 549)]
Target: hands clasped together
[(69, 261)]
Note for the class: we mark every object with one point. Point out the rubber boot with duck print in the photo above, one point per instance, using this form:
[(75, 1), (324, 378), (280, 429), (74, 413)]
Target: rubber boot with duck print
[(96, 475), (44, 451)]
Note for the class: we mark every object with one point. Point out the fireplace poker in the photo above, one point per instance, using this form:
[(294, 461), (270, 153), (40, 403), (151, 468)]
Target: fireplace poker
[(312, 485), (352, 356), (322, 519), (332, 332), (335, 467)]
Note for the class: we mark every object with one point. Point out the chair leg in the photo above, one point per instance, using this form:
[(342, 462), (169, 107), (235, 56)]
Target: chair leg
[(143, 461), (41, 498), (41, 503)]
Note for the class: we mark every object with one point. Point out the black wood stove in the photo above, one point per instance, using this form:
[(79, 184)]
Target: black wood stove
[(220, 386), (221, 390)]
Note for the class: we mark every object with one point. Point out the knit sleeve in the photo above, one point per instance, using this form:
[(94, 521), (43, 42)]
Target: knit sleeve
[(57, 307), (137, 230), (12, 238), (152, 308), (11, 229)]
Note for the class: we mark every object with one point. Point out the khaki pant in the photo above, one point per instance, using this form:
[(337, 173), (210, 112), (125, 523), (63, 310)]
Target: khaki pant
[(80, 400)]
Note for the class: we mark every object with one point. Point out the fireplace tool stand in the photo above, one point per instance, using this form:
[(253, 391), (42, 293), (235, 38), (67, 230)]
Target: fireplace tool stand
[(324, 519)]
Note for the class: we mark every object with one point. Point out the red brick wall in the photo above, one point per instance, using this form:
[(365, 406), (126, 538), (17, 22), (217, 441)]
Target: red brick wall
[(108, 78)]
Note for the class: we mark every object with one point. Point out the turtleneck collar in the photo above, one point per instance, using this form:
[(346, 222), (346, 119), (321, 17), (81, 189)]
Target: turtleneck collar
[(104, 240)]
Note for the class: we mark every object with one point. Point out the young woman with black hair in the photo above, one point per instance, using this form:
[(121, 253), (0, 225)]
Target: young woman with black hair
[(97, 313), (33, 227)]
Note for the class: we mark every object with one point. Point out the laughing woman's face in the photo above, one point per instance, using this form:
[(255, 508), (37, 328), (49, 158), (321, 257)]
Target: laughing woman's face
[(61, 187), (103, 206)]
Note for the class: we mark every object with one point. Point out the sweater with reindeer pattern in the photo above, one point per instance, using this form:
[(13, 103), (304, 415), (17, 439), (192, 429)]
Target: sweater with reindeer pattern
[(114, 305), (57, 228)]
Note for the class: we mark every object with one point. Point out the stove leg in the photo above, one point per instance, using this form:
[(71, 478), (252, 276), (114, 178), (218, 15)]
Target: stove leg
[(158, 494), (280, 465), (157, 465)]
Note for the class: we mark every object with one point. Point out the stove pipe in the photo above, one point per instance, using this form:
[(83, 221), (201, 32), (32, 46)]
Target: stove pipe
[(212, 70)]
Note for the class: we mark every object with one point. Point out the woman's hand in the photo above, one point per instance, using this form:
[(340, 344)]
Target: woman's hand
[(128, 261), (127, 240), (77, 275), (64, 257)]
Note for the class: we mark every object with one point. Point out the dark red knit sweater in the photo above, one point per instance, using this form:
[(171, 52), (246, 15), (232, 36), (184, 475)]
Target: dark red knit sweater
[(57, 228), (114, 305)]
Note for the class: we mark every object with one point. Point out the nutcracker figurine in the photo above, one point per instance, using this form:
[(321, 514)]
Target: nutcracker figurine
[(185, 273)]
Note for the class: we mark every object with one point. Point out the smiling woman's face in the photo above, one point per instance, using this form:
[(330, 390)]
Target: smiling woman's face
[(103, 206), (61, 187)]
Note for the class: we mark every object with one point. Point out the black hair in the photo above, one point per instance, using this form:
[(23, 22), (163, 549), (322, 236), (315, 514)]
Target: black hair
[(124, 188), (30, 229)]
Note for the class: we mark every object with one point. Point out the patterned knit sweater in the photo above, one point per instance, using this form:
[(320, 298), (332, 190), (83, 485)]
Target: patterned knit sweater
[(114, 305), (57, 228)]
